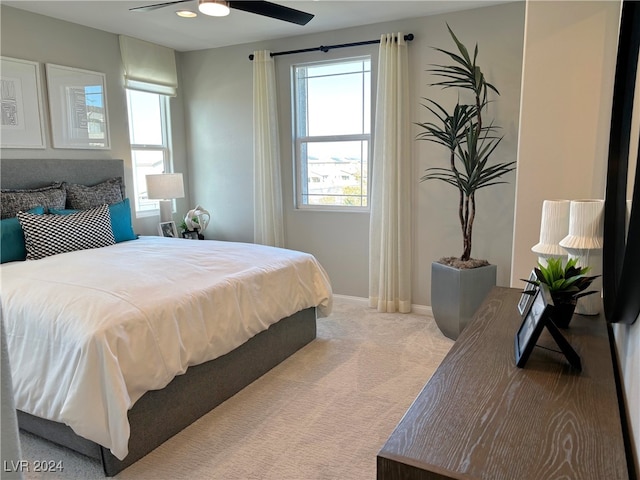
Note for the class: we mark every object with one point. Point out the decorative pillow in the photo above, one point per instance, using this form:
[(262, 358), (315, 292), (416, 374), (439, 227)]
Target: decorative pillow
[(83, 197), (46, 235), (12, 238), (120, 214), (14, 201)]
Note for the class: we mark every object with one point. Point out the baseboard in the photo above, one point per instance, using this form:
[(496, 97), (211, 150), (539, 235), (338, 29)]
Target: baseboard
[(418, 309), (422, 310), (350, 299)]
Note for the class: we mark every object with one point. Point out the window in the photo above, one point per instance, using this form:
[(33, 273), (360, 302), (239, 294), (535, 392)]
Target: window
[(332, 127), (150, 150)]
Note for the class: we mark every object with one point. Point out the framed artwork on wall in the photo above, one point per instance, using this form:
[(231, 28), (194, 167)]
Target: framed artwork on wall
[(21, 121), (78, 108)]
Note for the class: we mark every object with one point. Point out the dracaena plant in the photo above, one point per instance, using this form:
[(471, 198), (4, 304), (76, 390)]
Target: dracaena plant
[(469, 142), (567, 283)]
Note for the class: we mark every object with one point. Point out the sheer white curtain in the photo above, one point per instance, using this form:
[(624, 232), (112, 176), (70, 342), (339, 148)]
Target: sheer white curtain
[(267, 184), (390, 227)]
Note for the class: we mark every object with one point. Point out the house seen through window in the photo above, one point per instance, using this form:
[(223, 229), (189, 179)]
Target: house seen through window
[(149, 137), (332, 112)]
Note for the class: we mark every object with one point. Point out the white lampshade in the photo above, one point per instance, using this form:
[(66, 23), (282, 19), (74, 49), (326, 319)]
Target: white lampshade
[(586, 225), (165, 186), (214, 8), (554, 226)]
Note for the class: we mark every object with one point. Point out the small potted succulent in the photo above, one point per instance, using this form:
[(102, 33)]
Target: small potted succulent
[(566, 285)]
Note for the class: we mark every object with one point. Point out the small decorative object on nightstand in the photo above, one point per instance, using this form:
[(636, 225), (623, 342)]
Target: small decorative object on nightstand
[(196, 220), (168, 229), (190, 235)]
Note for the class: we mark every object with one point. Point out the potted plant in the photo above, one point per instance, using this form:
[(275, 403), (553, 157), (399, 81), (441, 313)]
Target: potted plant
[(470, 142), (566, 285)]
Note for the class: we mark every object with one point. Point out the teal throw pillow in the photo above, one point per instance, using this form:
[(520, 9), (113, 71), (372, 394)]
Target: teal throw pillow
[(12, 247), (120, 220)]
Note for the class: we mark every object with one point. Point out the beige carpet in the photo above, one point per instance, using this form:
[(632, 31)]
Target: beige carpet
[(324, 413)]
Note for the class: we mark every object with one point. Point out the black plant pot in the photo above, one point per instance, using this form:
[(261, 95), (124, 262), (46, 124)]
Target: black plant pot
[(561, 313)]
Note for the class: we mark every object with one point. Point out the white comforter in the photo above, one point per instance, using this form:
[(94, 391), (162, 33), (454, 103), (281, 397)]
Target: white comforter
[(89, 332)]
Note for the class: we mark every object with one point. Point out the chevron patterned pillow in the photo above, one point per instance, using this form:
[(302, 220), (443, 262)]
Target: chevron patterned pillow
[(46, 235)]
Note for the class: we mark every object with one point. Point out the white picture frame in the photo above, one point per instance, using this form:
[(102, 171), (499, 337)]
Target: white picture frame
[(77, 108), (22, 119), (168, 229)]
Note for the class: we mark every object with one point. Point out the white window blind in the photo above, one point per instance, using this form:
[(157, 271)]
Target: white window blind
[(148, 67)]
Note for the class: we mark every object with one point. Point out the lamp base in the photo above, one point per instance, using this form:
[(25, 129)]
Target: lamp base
[(589, 305), (166, 211)]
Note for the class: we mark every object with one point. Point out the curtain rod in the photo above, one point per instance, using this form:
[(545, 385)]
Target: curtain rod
[(326, 48)]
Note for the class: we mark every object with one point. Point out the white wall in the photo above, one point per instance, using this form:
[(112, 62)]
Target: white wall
[(46, 40), (218, 102), (568, 71)]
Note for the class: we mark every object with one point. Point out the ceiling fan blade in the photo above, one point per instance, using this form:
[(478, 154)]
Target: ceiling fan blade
[(273, 10), (155, 6)]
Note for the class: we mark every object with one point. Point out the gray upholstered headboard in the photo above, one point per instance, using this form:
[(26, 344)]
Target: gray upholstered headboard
[(32, 173)]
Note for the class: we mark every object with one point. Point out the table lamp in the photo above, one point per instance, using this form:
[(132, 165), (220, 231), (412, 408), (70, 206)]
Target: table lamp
[(584, 242), (165, 187)]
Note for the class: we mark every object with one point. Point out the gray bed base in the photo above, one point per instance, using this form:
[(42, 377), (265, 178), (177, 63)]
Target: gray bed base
[(160, 414)]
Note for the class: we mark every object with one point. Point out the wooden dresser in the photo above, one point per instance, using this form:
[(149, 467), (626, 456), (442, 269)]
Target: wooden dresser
[(481, 417)]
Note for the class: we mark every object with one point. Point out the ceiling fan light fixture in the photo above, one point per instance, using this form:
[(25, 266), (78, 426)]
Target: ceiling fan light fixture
[(214, 8), (186, 14)]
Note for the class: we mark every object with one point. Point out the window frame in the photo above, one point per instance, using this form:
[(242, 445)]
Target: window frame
[(165, 148), (300, 179)]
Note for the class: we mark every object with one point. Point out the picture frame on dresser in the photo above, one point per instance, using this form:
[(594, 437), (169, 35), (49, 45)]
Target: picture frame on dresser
[(22, 120), (534, 321), (528, 294), (531, 327), (78, 108)]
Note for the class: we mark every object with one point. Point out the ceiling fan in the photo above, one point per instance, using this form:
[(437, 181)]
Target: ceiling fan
[(220, 8)]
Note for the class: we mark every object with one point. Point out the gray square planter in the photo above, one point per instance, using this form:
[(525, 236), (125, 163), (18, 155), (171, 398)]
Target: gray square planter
[(456, 294)]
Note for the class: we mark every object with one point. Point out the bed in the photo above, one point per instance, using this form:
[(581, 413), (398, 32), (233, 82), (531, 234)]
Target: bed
[(175, 329)]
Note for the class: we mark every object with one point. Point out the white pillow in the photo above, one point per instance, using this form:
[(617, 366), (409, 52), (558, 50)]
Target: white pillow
[(46, 235)]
